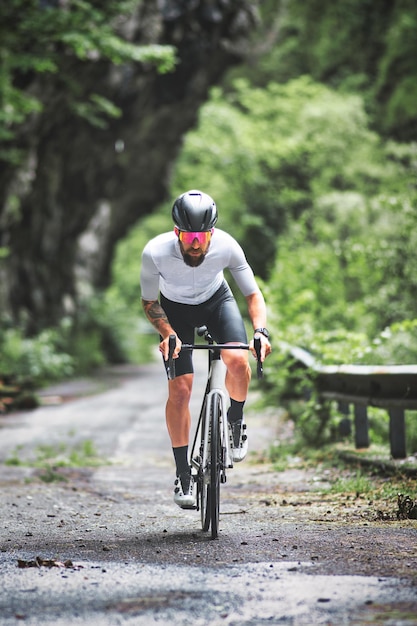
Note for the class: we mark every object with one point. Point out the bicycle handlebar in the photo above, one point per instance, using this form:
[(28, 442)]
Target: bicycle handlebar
[(212, 346)]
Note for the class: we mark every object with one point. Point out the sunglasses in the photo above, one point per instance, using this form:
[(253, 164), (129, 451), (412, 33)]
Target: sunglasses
[(203, 237)]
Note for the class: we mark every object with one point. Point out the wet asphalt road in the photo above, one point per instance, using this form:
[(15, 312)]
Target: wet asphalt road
[(114, 549)]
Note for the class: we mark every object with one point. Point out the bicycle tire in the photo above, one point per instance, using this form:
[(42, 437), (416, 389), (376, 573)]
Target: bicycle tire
[(215, 465), (204, 479)]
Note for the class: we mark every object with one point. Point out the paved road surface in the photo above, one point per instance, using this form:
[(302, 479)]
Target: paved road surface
[(113, 548)]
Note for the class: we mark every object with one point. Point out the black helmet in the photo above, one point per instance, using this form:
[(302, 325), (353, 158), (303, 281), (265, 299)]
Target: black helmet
[(194, 211)]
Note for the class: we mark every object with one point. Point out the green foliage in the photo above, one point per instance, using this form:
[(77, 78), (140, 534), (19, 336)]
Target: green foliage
[(296, 172), (358, 484), (122, 300), (97, 110), (38, 38), (271, 153), (49, 459), (126, 266), (324, 209), (411, 430), (353, 46), (92, 337), (361, 281), (396, 344), (290, 385), (378, 421), (38, 358), (98, 335), (396, 79)]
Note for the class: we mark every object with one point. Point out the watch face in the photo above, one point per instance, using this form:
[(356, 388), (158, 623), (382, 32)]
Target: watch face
[(263, 332)]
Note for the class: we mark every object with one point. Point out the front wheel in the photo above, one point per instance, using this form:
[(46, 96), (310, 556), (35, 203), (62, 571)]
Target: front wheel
[(211, 468), (204, 474), (215, 465)]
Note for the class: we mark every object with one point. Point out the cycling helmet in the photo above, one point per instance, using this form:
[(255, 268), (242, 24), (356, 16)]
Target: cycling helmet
[(194, 211)]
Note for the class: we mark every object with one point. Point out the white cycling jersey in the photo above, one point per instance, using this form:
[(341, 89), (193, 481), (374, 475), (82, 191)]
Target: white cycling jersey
[(164, 270)]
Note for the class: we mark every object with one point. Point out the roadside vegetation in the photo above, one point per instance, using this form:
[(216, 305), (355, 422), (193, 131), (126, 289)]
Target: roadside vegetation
[(318, 182), (353, 480), (51, 461), (335, 257)]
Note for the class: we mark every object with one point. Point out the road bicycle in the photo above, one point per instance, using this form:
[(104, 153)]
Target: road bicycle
[(211, 451)]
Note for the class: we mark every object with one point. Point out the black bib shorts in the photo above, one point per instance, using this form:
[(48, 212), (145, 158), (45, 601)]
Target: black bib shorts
[(220, 314)]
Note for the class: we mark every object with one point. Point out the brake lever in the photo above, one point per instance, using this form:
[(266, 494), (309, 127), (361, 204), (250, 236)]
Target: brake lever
[(171, 361), (257, 346)]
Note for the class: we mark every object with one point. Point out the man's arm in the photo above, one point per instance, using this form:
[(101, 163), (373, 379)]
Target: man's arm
[(257, 309), (158, 318), (257, 313)]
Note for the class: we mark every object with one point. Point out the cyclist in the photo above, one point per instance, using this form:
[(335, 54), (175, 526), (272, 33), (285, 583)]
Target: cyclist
[(183, 287)]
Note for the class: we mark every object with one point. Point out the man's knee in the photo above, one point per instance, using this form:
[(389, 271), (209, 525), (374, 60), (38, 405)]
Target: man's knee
[(180, 389), (237, 363)]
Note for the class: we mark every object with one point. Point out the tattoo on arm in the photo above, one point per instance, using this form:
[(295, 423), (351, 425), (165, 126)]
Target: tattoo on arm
[(155, 314)]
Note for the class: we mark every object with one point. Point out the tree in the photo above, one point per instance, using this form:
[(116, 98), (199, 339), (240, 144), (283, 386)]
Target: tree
[(270, 152), (355, 46), (91, 128)]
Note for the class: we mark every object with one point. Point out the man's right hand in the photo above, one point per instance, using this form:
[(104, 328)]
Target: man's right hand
[(164, 347)]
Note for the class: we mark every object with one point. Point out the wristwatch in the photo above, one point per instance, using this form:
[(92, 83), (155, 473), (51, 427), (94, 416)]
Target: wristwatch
[(263, 331)]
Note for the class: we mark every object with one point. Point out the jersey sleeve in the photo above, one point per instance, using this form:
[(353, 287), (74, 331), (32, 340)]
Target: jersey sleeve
[(149, 276), (241, 270)]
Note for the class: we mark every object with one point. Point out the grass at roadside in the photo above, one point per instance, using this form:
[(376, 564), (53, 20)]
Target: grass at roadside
[(50, 459), (340, 471)]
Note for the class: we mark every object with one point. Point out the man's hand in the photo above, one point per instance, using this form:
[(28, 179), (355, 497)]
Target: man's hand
[(266, 348), (164, 347)]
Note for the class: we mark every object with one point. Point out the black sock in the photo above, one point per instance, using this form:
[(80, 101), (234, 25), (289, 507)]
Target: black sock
[(235, 412), (181, 459)]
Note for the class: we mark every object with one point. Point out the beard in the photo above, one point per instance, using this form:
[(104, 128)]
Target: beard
[(193, 261)]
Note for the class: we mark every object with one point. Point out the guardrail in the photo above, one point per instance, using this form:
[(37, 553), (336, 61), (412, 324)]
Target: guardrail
[(393, 388)]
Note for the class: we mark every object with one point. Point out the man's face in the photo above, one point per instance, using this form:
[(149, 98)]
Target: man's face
[(194, 246)]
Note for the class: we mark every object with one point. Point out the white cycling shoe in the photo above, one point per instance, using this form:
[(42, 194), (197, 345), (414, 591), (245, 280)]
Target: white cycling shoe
[(238, 440), (185, 491)]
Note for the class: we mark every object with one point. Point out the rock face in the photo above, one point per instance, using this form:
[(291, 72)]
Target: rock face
[(82, 186)]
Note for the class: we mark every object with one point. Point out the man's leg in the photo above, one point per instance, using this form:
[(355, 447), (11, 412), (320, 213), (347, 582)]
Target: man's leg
[(178, 421), (178, 410)]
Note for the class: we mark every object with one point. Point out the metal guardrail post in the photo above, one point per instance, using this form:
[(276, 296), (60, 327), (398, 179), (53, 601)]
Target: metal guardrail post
[(397, 433), (361, 426)]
